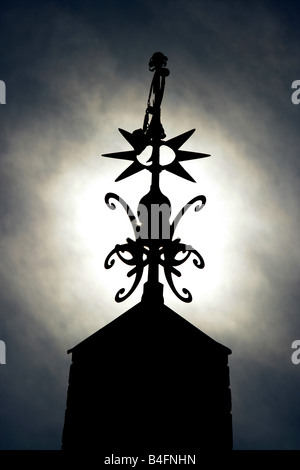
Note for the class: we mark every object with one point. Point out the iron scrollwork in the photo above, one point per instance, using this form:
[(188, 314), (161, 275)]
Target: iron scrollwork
[(157, 248)]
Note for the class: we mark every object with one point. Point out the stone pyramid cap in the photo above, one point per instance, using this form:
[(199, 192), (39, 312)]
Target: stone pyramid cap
[(152, 325)]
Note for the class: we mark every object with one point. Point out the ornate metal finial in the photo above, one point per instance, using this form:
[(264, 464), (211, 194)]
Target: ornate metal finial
[(154, 245)]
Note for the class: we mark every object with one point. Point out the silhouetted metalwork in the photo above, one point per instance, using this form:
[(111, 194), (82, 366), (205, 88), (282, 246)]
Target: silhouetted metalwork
[(149, 382), (154, 244)]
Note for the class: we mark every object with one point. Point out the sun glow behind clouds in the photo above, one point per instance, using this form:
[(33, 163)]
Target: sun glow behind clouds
[(89, 230), (230, 79), (97, 229), (225, 231)]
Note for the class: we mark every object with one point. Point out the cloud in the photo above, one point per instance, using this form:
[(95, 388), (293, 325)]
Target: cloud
[(81, 74)]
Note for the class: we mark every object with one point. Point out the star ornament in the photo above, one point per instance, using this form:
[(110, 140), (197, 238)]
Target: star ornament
[(139, 141)]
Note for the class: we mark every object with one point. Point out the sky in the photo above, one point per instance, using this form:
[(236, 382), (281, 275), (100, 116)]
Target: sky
[(75, 72)]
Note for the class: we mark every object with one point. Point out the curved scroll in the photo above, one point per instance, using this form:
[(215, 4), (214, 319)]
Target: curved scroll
[(137, 279), (169, 262), (185, 208), (200, 262), (189, 297), (128, 210), (109, 261), (136, 251)]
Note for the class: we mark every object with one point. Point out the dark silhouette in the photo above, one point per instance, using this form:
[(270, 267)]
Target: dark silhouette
[(150, 380), (154, 244)]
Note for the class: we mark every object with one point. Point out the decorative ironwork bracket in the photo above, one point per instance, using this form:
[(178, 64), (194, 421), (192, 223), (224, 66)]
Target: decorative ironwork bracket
[(154, 245)]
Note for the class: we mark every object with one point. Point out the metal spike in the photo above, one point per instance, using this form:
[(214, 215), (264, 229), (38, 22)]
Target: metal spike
[(178, 170), (135, 167), (183, 155), (178, 141), (128, 155)]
